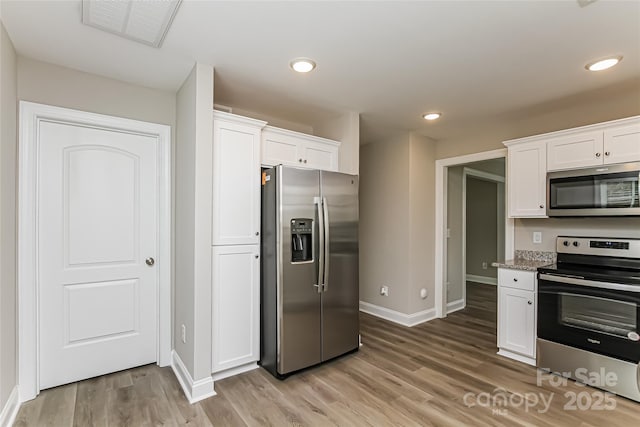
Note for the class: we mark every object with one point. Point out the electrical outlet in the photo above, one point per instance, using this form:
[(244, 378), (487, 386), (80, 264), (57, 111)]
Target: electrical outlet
[(183, 333), (537, 237), (484, 265), (384, 291)]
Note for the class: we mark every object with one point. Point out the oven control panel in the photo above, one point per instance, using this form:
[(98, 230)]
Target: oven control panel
[(625, 248)]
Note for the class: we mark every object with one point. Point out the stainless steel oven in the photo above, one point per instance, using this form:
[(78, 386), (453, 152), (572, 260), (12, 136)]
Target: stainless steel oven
[(608, 190), (589, 310)]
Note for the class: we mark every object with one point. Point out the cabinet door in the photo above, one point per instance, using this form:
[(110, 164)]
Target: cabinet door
[(278, 149), (318, 156), (575, 151), (236, 306), (516, 321), (236, 184), (622, 144), (526, 180)]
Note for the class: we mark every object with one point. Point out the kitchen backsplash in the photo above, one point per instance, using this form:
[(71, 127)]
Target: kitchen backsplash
[(553, 227)]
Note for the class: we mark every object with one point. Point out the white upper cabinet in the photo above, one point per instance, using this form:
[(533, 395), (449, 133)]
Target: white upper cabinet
[(281, 146), (526, 180), (602, 146), (530, 159), (236, 180), (622, 144), (575, 151)]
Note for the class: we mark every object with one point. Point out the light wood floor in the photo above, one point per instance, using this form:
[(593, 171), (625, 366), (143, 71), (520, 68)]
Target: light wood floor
[(401, 376)]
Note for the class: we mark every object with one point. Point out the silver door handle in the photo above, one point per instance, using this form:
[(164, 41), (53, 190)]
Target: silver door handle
[(598, 154), (150, 261), (318, 202), (327, 242)]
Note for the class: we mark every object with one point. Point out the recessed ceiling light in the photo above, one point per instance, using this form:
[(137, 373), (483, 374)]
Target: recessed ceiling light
[(302, 65), (431, 116), (603, 64)]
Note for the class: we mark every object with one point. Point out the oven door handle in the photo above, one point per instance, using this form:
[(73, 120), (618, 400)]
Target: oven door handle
[(572, 280)]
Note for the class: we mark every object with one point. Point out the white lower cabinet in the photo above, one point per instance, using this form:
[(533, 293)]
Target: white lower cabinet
[(236, 308), (517, 316)]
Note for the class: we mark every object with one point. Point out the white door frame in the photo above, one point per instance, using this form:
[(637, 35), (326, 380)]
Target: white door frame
[(442, 166), (485, 176), (31, 115)]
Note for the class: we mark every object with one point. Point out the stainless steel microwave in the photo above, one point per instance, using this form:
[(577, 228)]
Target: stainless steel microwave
[(608, 190)]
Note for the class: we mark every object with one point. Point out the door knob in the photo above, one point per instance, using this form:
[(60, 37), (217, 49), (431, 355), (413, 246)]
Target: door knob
[(150, 261)]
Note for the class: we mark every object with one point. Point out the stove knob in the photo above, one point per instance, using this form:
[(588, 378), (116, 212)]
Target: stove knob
[(576, 243), (566, 243)]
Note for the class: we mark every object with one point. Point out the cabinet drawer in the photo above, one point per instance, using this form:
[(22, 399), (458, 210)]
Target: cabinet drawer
[(517, 279)]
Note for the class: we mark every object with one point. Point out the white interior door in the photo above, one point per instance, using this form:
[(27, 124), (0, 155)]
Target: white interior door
[(97, 224)]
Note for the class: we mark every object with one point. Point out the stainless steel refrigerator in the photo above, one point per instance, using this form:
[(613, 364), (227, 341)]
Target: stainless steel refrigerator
[(309, 289)]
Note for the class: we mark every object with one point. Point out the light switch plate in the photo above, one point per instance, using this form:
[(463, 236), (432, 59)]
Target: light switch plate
[(537, 237)]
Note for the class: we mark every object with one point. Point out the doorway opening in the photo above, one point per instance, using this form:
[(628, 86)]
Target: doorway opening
[(463, 224)]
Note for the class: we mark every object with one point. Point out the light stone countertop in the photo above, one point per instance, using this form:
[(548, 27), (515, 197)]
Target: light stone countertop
[(527, 260)]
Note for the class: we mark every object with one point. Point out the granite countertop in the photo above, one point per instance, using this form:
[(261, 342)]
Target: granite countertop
[(527, 260)]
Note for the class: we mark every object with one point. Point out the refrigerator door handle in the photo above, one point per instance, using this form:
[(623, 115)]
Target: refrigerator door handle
[(325, 247), (321, 260)]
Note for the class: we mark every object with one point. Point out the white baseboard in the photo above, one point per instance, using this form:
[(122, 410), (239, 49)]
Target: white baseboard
[(455, 306), (482, 279), (397, 317), (10, 410), (195, 391), (518, 357), (234, 371)]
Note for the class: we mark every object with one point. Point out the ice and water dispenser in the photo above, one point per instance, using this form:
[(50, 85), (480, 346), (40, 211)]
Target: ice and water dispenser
[(301, 241)]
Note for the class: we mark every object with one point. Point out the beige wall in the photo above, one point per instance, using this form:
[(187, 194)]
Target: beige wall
[(8, 158), (54, 85), (554, 227), (384, 220), (608, 103), (422, 179), (192, 299), (482, 226), (396, 223)]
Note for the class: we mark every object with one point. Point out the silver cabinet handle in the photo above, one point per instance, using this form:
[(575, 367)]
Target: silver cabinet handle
[(541, 206), (607, 153), (257, 233), (299, 160), (529, 302), (597, 154), (257, 256), (515, 279), (305, 160), (150, 261)]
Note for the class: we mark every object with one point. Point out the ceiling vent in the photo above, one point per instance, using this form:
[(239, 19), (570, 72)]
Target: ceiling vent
[(143, 21)]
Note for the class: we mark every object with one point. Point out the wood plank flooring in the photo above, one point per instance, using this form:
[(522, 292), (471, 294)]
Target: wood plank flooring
[(426, 375)]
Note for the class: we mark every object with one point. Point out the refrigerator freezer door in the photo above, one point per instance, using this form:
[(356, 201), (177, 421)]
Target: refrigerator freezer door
[(340, 300), (299, 322)]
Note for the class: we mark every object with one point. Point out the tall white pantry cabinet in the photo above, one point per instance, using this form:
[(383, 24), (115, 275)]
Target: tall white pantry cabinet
[(236, 244)]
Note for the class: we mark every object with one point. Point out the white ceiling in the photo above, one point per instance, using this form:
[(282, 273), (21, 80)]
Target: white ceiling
[(390, 61)]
